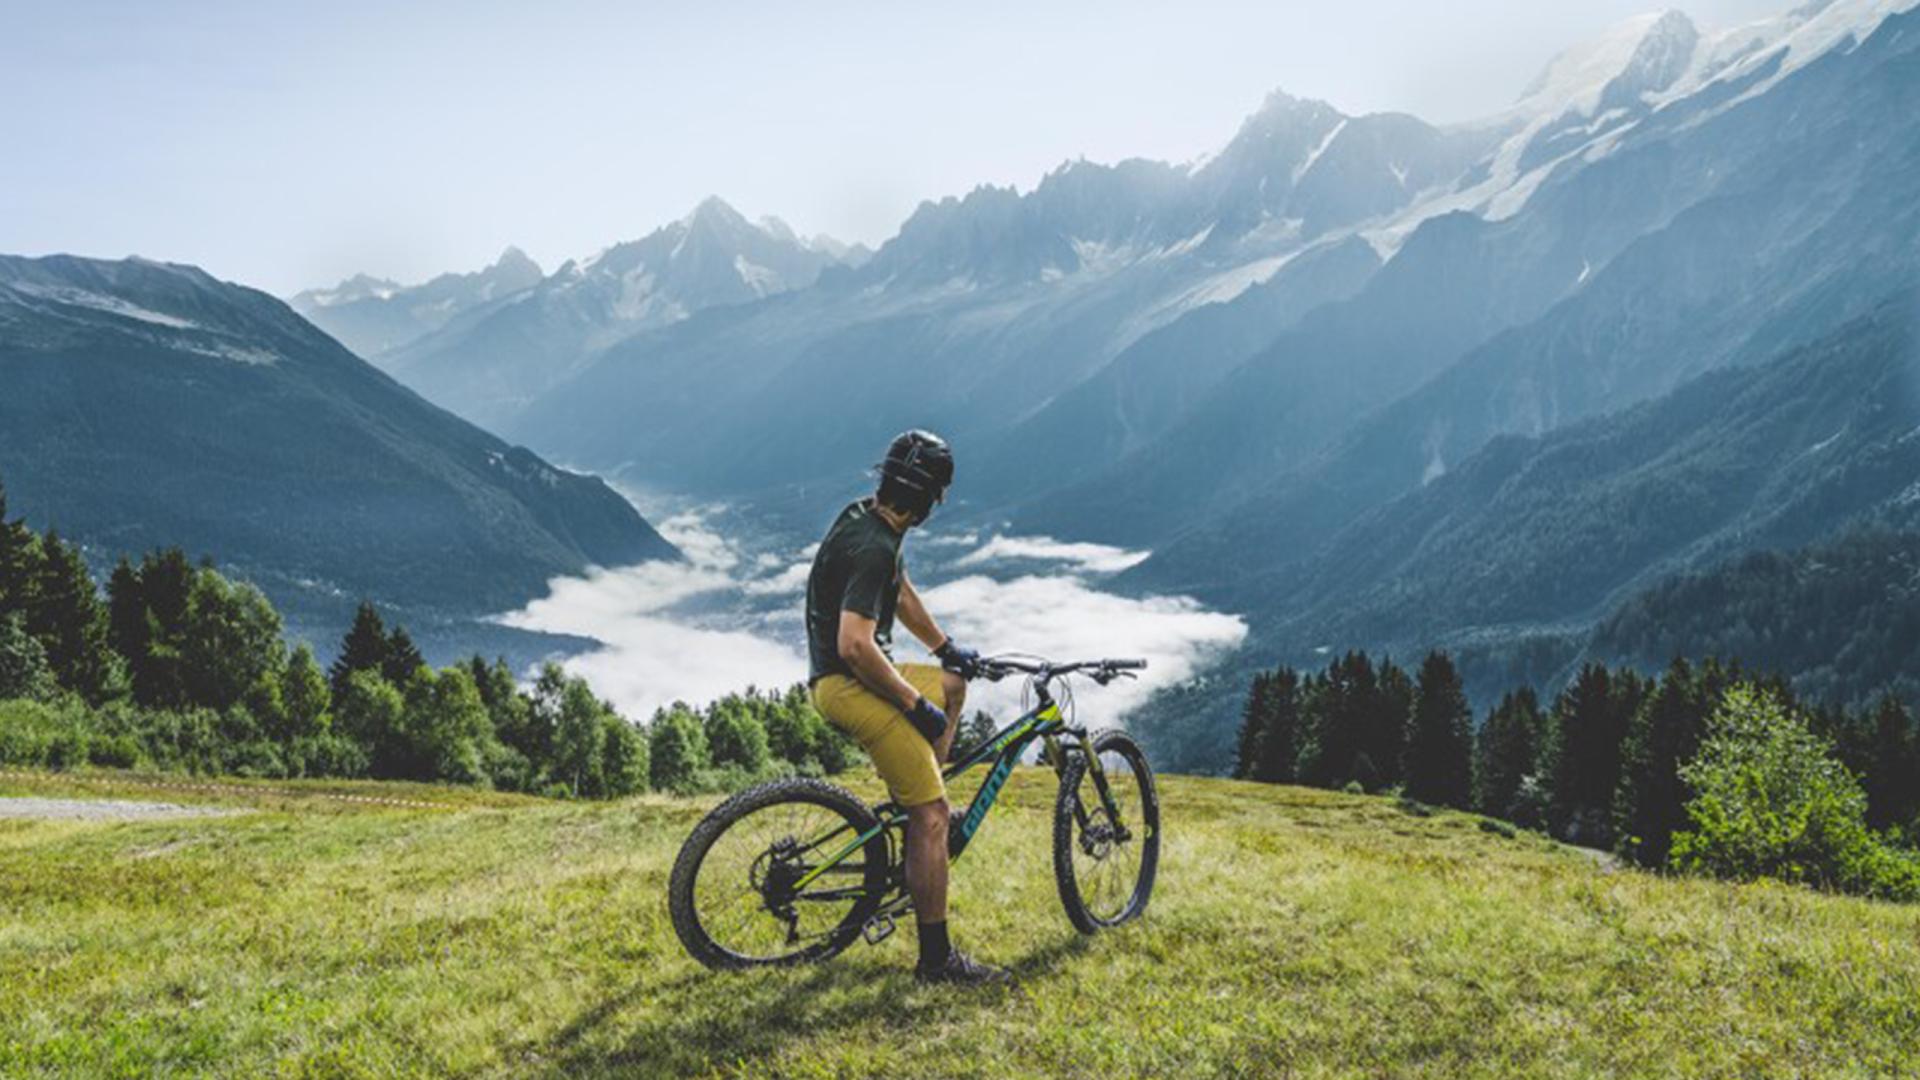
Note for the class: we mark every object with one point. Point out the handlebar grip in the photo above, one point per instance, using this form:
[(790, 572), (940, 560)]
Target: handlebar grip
[(1126, 665)]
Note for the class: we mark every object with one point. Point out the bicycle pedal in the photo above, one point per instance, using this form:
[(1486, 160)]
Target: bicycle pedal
[(877, 929)]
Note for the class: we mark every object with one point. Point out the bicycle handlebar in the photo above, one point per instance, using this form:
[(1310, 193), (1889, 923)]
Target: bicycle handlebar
[(996, 668)]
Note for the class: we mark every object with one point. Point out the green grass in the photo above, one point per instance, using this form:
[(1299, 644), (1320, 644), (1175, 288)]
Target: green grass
[(1294, 933)]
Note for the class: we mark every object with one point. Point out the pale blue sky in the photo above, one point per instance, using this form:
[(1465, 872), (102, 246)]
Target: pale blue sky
[(286, 145)]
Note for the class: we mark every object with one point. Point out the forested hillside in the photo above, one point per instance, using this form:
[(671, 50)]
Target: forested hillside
[(1513, 556), (149, 405), (1704, 768), (1840, 618), (179, 668)]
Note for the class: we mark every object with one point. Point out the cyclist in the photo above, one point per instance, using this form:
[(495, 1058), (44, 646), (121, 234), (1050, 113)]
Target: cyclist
[(898, 712)]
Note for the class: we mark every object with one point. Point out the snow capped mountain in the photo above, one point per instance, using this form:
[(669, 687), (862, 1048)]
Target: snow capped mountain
[(1766, 51), (1718, 230), (846, 254), (711, 256), (374, 316), (1642, 55), (356, 288), (1592, 96), (1005, 306), (486, 362)]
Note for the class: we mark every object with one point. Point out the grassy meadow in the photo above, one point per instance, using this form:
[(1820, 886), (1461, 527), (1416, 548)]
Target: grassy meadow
[(1295, 932)]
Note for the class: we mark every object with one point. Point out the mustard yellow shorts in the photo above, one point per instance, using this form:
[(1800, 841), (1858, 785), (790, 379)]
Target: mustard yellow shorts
[(902, 755)]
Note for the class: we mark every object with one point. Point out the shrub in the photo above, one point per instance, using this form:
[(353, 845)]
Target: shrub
[(677, 749), (626, 758), (1771, 801), (115, 752), (26, 729), (736, 737), (23, 662), (328, 754)]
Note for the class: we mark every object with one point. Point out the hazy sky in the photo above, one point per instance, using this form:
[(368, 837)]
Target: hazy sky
[(287, 145)]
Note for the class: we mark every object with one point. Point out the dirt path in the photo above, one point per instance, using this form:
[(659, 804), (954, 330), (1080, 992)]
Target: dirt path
[(103, 809)]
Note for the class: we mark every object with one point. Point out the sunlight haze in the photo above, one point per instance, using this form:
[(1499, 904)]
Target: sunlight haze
[(289, 147)]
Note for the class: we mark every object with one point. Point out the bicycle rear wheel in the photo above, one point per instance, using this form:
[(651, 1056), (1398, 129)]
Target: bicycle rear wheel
[(1106, 851), (736, 894)]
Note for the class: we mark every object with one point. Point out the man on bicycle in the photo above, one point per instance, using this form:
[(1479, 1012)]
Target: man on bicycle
[(898, 712)]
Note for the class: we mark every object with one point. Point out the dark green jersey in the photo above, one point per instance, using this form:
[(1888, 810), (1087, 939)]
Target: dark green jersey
[(857, 569)]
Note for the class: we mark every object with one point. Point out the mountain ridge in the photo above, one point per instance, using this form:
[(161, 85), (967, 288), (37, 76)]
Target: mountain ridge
[(152, 405)]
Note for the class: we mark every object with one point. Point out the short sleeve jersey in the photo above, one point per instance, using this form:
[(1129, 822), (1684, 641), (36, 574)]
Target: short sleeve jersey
[(856, 569)]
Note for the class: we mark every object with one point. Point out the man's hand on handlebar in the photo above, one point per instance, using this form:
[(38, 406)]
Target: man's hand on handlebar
[(959, 659)]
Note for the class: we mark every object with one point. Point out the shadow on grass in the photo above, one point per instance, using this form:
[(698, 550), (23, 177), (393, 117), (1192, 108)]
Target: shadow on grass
[(704, 1020)]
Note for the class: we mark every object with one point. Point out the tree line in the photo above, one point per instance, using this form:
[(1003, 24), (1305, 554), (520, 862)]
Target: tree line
[(1642, 766), (177, 667)]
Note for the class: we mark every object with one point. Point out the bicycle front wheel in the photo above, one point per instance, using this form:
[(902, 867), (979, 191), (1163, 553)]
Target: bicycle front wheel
[(1106, 834)]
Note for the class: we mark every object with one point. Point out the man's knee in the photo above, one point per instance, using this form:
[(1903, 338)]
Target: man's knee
[(956, 691), (929, 818)]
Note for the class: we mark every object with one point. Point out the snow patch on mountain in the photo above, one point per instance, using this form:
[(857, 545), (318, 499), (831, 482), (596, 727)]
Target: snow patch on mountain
[(112, 305), (1319, 149), (1586, 96), (758, 278), (1576, 81), (1790, 41)]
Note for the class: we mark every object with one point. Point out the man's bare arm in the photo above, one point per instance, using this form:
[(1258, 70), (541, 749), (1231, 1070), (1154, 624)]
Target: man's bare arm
[(870, 665), (915, 617)]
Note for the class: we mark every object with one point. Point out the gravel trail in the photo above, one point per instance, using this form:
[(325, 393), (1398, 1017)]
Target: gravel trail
[(103, 809)]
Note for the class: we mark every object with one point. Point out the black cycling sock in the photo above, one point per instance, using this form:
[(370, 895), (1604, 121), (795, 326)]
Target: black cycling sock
[(934, 947)]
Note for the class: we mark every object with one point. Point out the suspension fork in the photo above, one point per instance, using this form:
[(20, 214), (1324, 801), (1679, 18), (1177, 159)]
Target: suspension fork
[(1057, 756)]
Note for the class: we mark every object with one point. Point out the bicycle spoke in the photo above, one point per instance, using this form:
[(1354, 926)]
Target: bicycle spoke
[(1107, 869), (729, 898)]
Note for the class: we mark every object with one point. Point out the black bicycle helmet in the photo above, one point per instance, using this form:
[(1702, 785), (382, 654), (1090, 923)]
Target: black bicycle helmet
[(915, 473)]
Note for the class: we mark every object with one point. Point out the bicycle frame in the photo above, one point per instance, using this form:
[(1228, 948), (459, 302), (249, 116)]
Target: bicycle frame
[(1004, 748)]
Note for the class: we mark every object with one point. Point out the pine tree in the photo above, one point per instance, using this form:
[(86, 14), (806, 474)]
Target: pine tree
[(402, 659), (1506, 754), (165, 582), (69, 619), (509, 708), (363, 649), (1333, 718), (1663, 734), (1278, 750), (1439, 755), (976, 729), (1253, 719), (1892, 779), (1589, 725), (12, 571), (1385, 714), (127, 628)]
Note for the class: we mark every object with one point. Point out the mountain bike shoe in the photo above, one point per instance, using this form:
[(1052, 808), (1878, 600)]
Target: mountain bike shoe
[(963, 970)]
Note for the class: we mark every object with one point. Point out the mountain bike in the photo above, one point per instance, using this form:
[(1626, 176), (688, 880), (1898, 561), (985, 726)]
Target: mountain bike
[(793, 871)]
